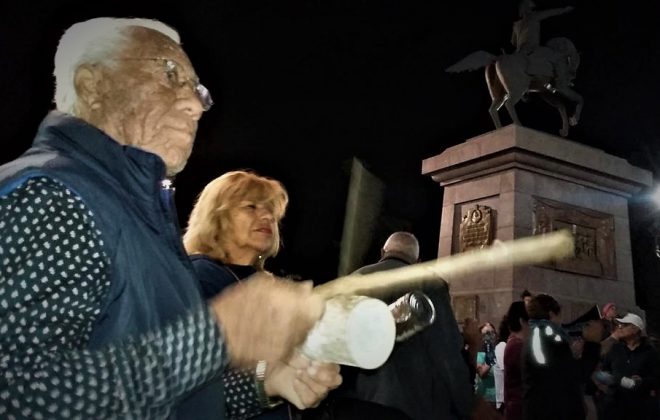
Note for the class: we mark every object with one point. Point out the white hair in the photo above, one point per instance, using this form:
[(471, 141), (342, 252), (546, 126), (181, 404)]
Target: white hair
[(93, 41)]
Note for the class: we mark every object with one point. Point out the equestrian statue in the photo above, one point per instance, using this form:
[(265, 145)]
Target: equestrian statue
[(546, 70)]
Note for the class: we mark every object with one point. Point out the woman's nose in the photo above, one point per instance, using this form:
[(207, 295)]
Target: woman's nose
[(266, 214)]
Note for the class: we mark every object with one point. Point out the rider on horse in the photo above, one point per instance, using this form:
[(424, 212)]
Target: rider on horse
[(542, 61)]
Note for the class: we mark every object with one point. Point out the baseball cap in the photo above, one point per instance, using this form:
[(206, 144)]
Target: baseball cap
[(632, 319)]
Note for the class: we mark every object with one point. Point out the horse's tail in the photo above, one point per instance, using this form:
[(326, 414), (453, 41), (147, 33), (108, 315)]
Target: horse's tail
[(474, 61)]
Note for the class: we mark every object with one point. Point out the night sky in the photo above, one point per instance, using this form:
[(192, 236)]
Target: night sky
[(301, 87)]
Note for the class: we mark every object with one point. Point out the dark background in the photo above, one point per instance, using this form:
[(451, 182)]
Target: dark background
[(301, 87)]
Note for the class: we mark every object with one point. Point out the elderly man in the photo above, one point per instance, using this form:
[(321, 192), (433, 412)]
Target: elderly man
[(631, 371), (99, 317)]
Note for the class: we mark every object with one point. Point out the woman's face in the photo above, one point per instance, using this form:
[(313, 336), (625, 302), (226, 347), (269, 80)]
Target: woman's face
[(488, 334), (252, 231)]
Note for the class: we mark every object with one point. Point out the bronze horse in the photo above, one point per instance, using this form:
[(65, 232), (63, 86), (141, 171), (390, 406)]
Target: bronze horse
[(549, 71)]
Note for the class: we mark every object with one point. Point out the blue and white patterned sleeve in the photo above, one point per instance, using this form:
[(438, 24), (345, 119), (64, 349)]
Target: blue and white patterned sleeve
[(52, 281), (241, 398)]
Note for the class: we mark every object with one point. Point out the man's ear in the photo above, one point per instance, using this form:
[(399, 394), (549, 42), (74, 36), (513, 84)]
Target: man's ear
[(86, 81)]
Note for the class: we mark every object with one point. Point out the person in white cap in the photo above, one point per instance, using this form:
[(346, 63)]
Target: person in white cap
[(631, 319), (631, 371)]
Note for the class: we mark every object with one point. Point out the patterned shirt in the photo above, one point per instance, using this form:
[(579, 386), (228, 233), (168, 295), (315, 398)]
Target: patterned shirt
[(52, 283), (241, 398)]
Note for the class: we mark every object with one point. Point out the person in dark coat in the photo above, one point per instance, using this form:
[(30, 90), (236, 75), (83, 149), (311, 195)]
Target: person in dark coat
[(631, 372), (551, 375), (425, 376)]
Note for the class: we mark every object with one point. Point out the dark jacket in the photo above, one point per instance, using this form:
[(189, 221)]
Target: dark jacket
[(151, 278), (214, 276), (425, 376), (551, 375), (639, 402), (384, 264)]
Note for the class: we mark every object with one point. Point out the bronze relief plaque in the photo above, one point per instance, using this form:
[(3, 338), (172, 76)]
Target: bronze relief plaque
[(593, 232), (476, 229)]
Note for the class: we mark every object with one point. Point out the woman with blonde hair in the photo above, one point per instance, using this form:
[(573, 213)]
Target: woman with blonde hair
[(232, 230)]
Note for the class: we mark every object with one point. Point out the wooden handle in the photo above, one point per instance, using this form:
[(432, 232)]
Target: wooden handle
[(531, 250)]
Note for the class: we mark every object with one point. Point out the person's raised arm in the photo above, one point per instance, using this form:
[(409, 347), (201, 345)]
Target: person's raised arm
[(544, 14)]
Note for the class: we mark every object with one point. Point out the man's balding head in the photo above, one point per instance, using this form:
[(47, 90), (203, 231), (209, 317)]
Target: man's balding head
[(402, 245)]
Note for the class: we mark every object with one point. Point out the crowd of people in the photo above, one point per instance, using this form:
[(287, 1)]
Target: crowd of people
[(609, 369), (106, 311)]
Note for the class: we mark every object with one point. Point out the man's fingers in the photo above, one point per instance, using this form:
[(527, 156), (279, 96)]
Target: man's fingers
[(320, 381), (309, 397), (325, 373)]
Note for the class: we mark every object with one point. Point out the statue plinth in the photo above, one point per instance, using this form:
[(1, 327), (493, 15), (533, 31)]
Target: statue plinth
[(515, 182)]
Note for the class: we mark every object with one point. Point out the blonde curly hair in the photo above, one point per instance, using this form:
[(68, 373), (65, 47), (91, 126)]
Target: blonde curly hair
[(208, 226)]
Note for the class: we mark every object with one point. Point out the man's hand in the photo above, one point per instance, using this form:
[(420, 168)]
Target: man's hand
[(628, 383), (264, 318), (302, 382), (483, 369)]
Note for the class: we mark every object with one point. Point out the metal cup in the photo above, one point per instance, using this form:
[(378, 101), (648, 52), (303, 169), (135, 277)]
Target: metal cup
[(412, 312)]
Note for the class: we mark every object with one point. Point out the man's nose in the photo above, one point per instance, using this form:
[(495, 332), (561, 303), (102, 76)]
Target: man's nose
[(190, 103)]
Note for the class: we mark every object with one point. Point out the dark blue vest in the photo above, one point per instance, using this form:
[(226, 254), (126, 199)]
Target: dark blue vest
[(152, 281)]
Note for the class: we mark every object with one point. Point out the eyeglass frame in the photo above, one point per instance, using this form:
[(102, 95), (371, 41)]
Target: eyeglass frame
[(202, 92)]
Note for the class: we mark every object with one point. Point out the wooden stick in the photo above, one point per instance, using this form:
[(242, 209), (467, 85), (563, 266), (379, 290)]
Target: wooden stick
[(531, 250)]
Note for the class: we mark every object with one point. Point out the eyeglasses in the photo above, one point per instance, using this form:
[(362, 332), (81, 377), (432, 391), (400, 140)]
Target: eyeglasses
[(171, 68)]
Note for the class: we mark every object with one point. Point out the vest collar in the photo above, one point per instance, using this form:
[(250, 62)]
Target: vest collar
[(126, 164)]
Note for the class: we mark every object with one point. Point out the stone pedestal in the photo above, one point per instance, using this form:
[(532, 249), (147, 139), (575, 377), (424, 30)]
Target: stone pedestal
[(516, 182)]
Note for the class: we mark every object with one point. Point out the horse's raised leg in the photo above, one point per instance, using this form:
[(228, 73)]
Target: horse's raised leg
[(575, 97), (558, 103), (564, 119)]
